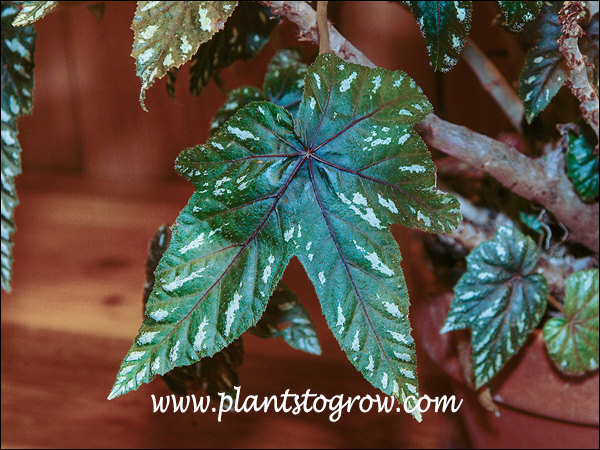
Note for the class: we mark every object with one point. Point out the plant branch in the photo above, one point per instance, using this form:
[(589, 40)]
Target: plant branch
[(480, 224), (494, 83), (323, 26), (536, 180), (579, 83), (305, 18)]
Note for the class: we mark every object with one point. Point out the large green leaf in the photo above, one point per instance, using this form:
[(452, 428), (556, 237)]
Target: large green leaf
[(582, 165), (285, 317), (517, 14), (283, 86), (326, 188), (17, 99), (32, 11), (445, 26), (545, 70), (572, 341), (167, 34), (245, 33), (500, 298)]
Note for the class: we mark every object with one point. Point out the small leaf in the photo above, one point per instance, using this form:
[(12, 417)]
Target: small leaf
[(445, 26), (236, 99), (286, 317), (517, 14), (97, 10), (284, 58), (167, 34), (582, 165), (283, 86), (18, 44), (32, 11), (532, 222), (325, 188), (572, 341), (545, 70), (500, 298), (245, 33)]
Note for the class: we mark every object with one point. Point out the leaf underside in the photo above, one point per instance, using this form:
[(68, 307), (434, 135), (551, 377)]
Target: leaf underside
[(518, 14), (500, 298), (167, 34), (445, 27), (17, 99), (32, 11), (582, 165), (245, 33), (544, 71), (285, 317), (325, 188), (283, 86), (572, 341)]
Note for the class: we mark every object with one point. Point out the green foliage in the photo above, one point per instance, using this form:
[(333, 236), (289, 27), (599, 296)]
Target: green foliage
[(500, 298), (18, 45), (245, 33), (325, 188), (445, 26), (285, 317), (545, 70), (517, 14), (31, 12), (582, 165), (283, 86), (167, 34), (572, 341)]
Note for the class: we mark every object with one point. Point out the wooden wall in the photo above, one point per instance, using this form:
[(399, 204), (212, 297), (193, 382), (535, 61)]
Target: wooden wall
[(87, 118)]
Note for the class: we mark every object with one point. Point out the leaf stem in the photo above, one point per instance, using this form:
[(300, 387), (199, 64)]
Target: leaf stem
[(558, 305), (323, 27)]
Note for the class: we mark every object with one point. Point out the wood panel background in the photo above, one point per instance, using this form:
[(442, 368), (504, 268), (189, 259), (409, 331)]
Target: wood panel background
[(98, 182)]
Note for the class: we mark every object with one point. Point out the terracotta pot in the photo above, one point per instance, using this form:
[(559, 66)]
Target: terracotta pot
[(539, 407)]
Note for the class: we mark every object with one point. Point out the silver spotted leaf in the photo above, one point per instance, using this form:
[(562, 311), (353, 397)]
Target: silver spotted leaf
[(572, 341), (283, 86), (31, 12), (445, 27), (18, 44), (582, 165), (518, 14), (167, 34), (544, 71), (325, 188), (500, 298), (245, 33), (285, 317), (212, 374)]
